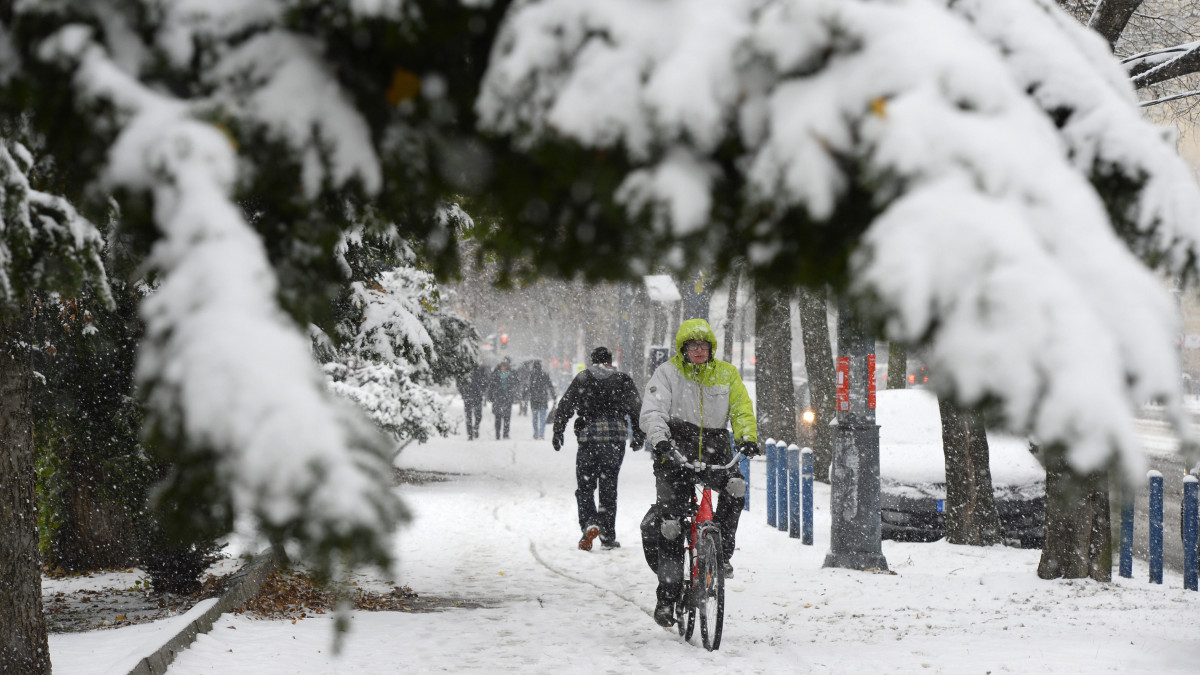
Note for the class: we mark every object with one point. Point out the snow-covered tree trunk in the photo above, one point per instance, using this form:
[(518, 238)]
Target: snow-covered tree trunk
[(23, 644), (1078, 534), (818, 362), (776, 404), (1111, 16), (971, 515)]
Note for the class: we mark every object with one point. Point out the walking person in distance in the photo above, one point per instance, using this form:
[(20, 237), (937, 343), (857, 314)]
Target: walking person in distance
[(502, 391), (539, 393), (472, 386), (604, 399)]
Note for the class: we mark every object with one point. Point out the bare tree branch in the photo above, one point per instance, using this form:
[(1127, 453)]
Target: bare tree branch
[(1187, 62), (1110, 18), (1173, 97)]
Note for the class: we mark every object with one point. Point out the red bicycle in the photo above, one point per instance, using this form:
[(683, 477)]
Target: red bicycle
[(703, 589)]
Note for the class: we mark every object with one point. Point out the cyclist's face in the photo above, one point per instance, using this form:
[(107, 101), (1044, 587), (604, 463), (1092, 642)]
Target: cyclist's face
[(697, 351)]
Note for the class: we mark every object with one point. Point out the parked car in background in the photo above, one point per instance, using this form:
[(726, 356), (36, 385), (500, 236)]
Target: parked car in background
[(913, 474)]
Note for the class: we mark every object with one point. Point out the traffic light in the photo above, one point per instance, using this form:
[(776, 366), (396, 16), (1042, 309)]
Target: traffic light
[(504, 340)]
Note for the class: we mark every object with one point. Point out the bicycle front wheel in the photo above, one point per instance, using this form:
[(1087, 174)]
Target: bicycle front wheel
[(685, 609), (710, 588)]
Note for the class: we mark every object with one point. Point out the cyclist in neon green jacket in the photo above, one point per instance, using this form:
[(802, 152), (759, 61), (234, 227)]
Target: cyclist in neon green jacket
[(688, 404)]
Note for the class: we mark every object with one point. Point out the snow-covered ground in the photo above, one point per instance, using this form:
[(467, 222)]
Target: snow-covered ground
[(503, 531)]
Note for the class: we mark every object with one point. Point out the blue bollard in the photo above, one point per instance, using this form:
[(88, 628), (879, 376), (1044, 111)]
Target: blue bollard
[(744, 467), (1127, 538), (1156, 526), (771, 503), (806, 489), (793, 465), (781, 484), (1191, 521)]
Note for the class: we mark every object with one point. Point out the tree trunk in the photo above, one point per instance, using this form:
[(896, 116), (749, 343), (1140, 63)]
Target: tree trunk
[(818, 361), (23, 644), (1078, 537), (897, 374), (730, 318), (971, 515), (776, 404), (642, 314), (1110, 18), (96, 533)]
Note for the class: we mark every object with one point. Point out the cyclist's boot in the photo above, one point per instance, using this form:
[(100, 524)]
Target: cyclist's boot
[(728, 570), (589, 535), (664, 613)]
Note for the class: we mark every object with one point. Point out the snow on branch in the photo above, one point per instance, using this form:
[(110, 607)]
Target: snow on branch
[(223, 369), (38, 226), (1150, 189), (979, 132)]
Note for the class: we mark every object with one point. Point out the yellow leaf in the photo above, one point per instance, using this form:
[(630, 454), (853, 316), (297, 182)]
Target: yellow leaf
[(405, 86), (879, 107)]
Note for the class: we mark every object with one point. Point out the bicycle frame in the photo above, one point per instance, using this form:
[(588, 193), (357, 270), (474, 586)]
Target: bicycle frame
[(704, 583)]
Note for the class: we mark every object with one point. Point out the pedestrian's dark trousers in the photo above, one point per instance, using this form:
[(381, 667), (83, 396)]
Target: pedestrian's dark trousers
[(474, 412), (503, 413), (597, 466), (675, 489)]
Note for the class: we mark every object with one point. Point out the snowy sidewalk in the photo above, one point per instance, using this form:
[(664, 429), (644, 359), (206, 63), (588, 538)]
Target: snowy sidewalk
[(504, 532)]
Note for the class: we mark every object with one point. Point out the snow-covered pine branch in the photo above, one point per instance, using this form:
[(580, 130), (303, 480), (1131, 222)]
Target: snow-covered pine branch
[(44, 241), (904, 129), (223, 369)]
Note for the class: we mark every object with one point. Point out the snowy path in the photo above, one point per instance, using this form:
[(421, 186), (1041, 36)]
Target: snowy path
[(504, 532)]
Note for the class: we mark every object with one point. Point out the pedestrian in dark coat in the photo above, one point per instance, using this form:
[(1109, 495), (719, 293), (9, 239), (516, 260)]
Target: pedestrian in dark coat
[(607, 402), (502, 391), (539, 393), (471, 387)]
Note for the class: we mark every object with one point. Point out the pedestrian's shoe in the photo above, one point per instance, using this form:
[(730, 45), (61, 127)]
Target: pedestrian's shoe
[(589, 535), (664, 613), (610, 544), (728, 571)]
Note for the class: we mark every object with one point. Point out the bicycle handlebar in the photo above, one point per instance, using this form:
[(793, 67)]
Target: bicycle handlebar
[(700, 467)]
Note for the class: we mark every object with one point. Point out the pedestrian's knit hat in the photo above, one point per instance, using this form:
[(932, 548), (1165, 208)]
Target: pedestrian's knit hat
[(601, 355)]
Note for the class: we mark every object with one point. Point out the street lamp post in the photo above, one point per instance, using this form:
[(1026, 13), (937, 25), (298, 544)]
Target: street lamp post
[(856, 535)]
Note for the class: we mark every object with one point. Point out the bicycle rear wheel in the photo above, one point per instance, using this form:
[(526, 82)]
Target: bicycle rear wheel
[(710, 588), (685, 608)]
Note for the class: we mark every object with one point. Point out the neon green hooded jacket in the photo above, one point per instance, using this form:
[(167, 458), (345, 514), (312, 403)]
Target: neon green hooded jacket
[(709, 395)]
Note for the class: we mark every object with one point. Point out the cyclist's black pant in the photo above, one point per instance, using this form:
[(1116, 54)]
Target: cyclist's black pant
[(675, 489)]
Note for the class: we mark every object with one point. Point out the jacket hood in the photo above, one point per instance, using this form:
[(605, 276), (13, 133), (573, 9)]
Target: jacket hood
[(602, 370), (696, 329)]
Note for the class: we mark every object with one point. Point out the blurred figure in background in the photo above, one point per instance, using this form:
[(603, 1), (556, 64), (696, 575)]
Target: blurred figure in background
[(540, 393), (471, 387), (502, 391)]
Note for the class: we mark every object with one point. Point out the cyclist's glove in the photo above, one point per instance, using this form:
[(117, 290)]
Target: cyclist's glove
[(749, 448), (663, 449), (557, 441)]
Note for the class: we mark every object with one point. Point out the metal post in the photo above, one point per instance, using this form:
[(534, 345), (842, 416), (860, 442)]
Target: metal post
[(781, 485), (856, 534), (771, 503), (1191, 513), (793, 491), (1156, 526), (1127, 535), (806, 480)]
